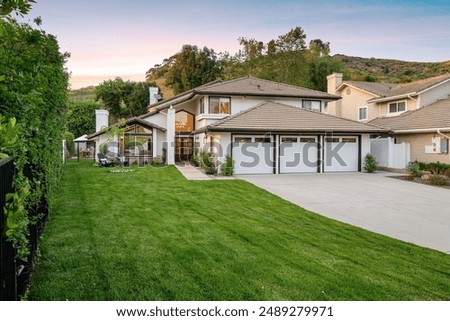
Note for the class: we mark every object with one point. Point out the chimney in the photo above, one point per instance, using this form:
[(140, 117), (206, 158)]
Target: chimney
[(333, 81), (154, 95), (101, 119)]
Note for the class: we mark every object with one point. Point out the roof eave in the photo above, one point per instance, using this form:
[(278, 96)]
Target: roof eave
[(390, 98)]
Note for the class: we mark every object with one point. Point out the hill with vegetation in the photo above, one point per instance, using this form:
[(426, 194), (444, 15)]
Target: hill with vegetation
[(389, 70)]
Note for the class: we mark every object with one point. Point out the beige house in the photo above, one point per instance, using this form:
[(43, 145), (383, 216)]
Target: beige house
[(418, 113), (364, 101), (426, 130)]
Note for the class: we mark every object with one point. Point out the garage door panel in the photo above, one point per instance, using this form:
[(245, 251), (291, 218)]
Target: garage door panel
[(341, 154), (298, 157), (253, 158)]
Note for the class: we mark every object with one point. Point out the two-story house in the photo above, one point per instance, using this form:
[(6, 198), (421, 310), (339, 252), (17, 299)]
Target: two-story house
[(417, 113), (265, 126)]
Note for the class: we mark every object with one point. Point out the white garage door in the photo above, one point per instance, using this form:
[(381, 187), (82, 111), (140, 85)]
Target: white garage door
[(253, 155), (298, 154), (341, 154)]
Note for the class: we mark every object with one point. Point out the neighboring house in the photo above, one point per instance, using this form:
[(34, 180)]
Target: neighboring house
[(265, 126), (426, 130), (417, 113), (364, 101)]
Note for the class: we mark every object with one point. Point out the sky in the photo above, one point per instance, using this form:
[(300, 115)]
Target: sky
[(124, 38)]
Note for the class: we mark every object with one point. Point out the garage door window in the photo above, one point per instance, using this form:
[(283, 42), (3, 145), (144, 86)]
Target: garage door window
[(349, 140), (289, 140), (332, 139), (307, 140), (242, 139), (263, 140)]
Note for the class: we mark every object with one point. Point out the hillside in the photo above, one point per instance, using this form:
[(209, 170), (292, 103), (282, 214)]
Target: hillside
[(82, 95), (389, 70), (354, 68)]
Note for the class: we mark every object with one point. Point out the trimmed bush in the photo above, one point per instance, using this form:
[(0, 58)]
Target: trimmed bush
[(370, 163)]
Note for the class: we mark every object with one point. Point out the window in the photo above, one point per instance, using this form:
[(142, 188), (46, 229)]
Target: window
[(243, 140), (289, 139), (202, 105), (219, 105), (397, 107), (348, 139), (263, 140), (315, 105), (362, 113), (307, 140), (184, 122), (332, 139)]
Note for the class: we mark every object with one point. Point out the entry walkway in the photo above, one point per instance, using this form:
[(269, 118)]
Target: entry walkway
[(191, 173)]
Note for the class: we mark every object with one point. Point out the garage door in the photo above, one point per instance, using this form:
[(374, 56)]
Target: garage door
[(253, 155), (341, 154), (298, 154)]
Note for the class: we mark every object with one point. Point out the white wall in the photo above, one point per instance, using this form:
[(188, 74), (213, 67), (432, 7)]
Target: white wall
[(159, 119), (390, 155)]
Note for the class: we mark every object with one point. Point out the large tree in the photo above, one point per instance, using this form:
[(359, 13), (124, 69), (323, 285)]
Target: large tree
[(81, 117), (21, 7), (124, 98), (189, 68)]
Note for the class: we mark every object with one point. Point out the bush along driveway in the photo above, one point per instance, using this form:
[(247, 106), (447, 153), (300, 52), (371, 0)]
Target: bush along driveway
[(153, 235)]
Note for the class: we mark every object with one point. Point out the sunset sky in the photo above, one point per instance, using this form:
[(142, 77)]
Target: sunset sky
[(109, 38)]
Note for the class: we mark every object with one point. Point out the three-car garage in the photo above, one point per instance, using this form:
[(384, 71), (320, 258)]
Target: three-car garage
[(280, 154)]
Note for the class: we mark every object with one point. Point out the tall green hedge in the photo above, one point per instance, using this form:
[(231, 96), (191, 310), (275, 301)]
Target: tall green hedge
[(33, 90)]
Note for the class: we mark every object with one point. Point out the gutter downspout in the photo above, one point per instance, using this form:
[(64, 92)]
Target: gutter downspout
[(442, 134)]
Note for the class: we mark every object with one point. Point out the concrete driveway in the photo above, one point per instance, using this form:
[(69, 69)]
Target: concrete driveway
[(408, 211)]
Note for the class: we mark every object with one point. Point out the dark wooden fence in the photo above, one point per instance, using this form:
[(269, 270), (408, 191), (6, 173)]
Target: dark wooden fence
[(15, 274)]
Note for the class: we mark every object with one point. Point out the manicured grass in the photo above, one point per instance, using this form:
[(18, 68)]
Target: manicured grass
[(152, 235)]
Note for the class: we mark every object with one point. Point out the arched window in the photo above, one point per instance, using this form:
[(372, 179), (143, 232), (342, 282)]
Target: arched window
[(184, 122)]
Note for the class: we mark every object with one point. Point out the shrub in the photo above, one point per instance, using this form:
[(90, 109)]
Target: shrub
[(414, 170), (227, 167), (439, 180), (70, 144), (439, 169), (370, 163), (206, 162)]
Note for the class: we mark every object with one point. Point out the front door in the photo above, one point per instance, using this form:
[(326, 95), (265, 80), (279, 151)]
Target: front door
[(184, 148)]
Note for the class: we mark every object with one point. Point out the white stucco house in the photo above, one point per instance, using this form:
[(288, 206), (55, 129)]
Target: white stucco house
[(266, 127)]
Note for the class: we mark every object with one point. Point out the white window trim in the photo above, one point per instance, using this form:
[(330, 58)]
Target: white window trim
[(367, 113), (397, 112)]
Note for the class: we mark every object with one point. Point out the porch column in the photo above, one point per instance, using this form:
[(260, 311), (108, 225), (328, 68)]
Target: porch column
[(171, 136), (154, 143)]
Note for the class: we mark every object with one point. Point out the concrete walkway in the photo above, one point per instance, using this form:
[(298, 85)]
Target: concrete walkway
[(408, 211), (192, 173)]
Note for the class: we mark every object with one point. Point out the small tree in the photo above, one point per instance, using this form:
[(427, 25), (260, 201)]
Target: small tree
[(370, 163)]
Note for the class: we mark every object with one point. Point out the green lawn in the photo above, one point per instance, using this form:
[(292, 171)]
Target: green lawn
[(152, 235)]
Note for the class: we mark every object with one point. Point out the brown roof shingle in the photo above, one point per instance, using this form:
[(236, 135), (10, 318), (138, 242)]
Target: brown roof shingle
[(260, 87), (434, 116), (377, 88), (275, 117)]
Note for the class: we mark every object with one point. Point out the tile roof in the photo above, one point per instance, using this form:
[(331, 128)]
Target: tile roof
[(377, 88), (129, 121), (252, 86), (275, 117), (433, 116), (246, 86), (386, 90)]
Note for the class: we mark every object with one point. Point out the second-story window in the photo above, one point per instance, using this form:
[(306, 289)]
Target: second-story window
[(397, 107), (362, 113), (219, 105), (202, 105), (315, 105)]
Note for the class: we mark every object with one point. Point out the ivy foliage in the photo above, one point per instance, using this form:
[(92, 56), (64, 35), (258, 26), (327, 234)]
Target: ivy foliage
[(33, 93)]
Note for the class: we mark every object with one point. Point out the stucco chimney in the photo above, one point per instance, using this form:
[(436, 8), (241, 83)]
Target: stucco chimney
[(333, 81), (154, 95), (101, 119)]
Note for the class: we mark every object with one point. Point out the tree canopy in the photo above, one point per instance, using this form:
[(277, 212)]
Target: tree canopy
[(285, 59), (124, 98)]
